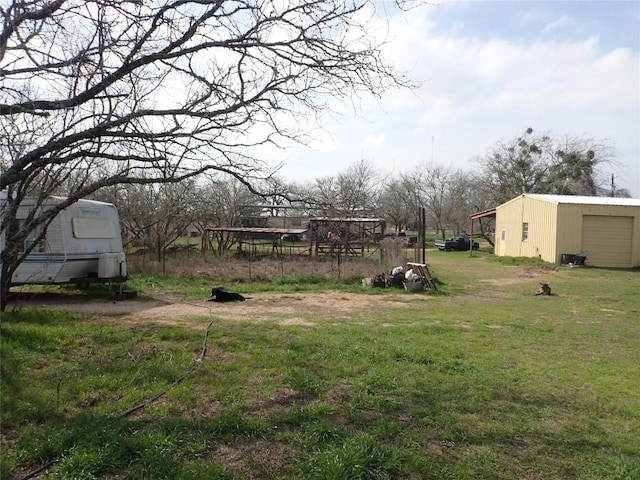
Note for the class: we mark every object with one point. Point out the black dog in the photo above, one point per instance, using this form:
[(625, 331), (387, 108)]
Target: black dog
[(218, 294)]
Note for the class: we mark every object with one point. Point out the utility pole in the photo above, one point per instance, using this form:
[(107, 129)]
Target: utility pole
[(433, 141), (613, 185)]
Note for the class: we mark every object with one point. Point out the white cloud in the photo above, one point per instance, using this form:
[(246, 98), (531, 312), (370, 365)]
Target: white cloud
[(559, 23), (476, 92)]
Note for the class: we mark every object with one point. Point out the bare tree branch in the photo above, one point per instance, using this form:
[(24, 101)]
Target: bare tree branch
[(97, 93)]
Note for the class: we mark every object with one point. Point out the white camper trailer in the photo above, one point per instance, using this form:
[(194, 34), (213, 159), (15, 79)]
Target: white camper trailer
[(83, 244)]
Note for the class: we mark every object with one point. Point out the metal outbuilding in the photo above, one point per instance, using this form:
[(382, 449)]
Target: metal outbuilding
[(605, 229)]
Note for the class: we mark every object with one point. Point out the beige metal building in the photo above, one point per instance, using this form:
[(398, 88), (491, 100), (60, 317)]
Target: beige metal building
[(605, 229)]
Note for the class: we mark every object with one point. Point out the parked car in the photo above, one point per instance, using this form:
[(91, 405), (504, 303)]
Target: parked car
[(455, 243), (291, 237)]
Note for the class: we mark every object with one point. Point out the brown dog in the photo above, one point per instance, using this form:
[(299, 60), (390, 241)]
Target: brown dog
[(544, 289)]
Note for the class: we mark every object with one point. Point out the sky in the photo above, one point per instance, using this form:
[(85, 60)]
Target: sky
[(488, 70)]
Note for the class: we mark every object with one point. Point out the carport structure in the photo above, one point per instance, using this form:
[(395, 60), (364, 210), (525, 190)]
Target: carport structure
[(491, 213), (254, 242)]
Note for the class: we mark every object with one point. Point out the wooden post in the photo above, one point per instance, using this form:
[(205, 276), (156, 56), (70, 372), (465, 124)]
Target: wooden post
[(423, 232), (471, 240)]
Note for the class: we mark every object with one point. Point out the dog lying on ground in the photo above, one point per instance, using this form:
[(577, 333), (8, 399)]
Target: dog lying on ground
[(219, 294), (544, 289)]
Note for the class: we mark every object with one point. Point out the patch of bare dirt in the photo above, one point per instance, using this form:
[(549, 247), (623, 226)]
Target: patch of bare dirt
[(280, 398), (242, 456), (289, 309), (523, 275)]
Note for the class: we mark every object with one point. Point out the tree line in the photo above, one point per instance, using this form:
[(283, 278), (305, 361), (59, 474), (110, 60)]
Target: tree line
[(529, 163)]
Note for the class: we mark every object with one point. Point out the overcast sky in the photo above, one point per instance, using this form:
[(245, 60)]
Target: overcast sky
[(489, 70)]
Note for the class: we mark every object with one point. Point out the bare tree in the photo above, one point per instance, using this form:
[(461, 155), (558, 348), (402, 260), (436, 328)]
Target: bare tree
[(224, 203), (411, 183), (358, 189), (352, 192), (517, 166), (396, 205), (157, 215), (460, 205), (480, 198), (104, 92), (540, 163), (277, 193), (574, 166), (439, 197), (323, 194)]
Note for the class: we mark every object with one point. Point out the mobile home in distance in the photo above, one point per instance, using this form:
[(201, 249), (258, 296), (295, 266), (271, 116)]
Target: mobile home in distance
[(83, 244)]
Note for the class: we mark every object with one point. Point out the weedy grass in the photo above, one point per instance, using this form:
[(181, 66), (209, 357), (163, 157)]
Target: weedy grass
[(480, 380)]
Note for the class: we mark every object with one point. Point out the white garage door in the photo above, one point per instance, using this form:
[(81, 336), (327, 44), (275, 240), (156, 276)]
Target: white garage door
[(607, 241)]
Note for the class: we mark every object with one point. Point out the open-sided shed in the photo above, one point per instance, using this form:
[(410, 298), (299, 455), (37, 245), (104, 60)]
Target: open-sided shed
[(605, 229), (345, 236), (258, 241)]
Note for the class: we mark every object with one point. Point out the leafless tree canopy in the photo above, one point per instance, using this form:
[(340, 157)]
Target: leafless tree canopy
[(103, 92), (541, 163), (353, 192), (102, 89)]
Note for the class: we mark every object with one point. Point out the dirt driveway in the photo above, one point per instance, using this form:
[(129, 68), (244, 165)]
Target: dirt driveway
[(290, 308)]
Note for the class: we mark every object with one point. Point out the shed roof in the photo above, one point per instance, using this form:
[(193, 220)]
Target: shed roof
[(346, 219), (583, 200), (486, 213), (276, 231)]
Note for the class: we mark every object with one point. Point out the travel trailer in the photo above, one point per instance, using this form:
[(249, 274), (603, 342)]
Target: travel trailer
[(83, 244)]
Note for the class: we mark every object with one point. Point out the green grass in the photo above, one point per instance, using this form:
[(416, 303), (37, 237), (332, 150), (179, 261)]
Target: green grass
[(480, 380)]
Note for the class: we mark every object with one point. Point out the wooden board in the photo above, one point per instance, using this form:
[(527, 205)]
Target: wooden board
[(422, 270)]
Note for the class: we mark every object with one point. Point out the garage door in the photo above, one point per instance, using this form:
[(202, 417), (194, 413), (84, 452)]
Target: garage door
[(607, 241)]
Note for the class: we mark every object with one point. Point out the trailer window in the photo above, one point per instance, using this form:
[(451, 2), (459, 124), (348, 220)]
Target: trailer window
[(93, 228)]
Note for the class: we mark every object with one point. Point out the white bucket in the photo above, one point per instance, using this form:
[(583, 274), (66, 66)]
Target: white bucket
[(413, 286)]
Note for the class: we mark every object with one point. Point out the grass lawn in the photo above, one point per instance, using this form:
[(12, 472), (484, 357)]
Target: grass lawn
[(481, 380)]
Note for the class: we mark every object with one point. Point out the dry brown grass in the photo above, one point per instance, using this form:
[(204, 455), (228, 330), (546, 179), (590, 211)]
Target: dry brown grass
[(209, 266)]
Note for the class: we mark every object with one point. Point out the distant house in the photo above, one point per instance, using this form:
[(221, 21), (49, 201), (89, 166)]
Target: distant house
[(605, 229)]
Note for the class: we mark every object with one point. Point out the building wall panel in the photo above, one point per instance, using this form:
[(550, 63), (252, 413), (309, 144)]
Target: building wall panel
[(607, 240), (569, 231), (539, 216)]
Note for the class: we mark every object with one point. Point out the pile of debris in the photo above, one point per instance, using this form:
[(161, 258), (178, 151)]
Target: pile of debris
[(399, 278)]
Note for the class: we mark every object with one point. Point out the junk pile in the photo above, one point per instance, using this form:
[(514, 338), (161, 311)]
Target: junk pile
[(379, 280), (573, 260), (412, 281), (396, 277)]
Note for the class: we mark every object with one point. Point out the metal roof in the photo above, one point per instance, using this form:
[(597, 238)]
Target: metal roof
[(345, 219), (585, 200), (294, 231), (486, 213)]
